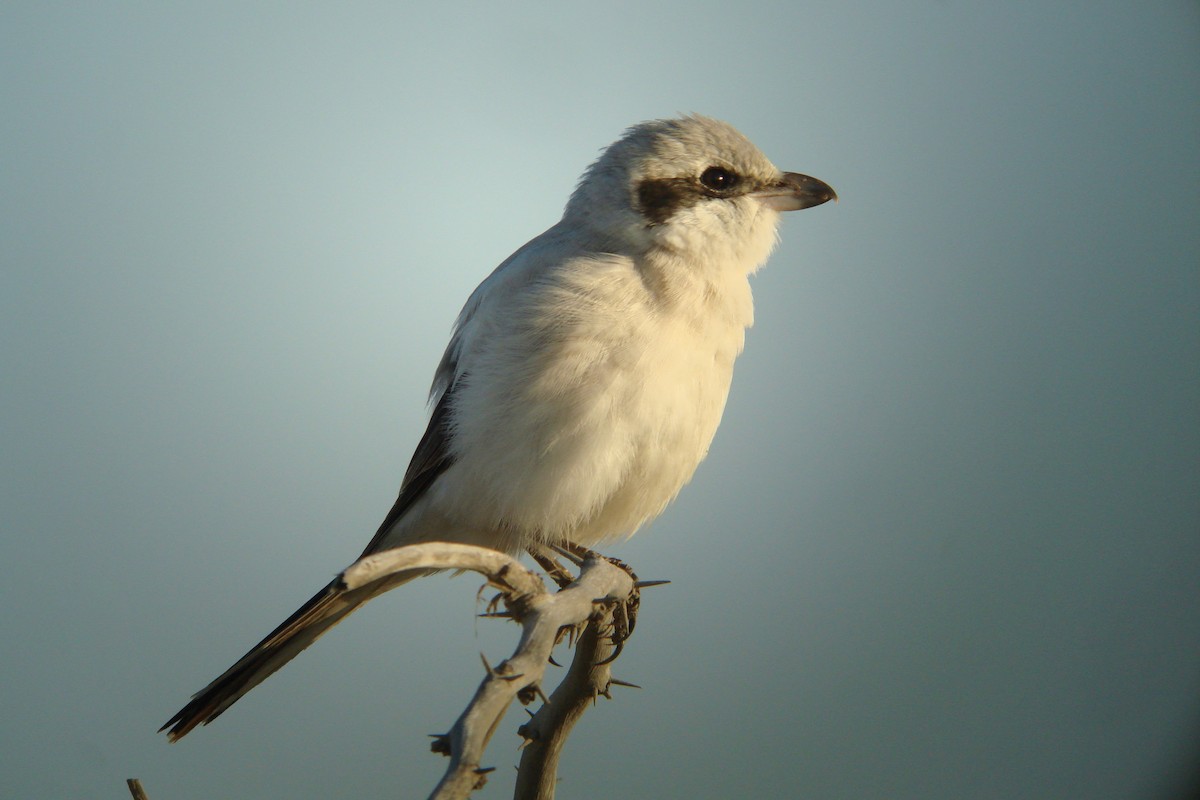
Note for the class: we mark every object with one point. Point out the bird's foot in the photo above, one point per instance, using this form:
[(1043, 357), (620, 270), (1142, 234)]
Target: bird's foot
[(544, 557)]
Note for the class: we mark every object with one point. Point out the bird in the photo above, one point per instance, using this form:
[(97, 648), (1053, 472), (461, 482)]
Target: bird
[(586, 376)]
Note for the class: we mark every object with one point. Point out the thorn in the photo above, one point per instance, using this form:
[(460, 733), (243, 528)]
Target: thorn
[(552, 661), (618, 682), (495, 673), (531, 715), (616, 652), (644, 584), (528, 693), (440, 744), (497, 615), (481, 776)]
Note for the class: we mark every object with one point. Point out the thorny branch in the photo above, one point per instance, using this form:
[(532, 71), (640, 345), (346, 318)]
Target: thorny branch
[(597, 608), (601, 602)]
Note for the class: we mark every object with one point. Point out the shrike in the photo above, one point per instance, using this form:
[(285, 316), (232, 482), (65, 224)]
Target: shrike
[(586, 375)]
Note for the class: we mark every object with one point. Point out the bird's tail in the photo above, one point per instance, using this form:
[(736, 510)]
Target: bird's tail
[(327, 608)]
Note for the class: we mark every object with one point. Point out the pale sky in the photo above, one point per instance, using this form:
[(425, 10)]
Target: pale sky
[(946, 543)]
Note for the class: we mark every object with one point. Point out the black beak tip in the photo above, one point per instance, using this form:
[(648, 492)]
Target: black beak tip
[(811, 191)]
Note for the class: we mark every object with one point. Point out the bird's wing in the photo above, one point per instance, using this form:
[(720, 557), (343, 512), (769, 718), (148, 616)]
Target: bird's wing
[(431, 459), (490, 299)]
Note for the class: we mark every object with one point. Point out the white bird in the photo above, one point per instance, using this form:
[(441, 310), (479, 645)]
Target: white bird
[(586, 375)]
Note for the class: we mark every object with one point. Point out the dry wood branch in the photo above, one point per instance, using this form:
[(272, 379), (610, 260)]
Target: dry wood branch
[(547, 731), (600, 602), (600, 598)]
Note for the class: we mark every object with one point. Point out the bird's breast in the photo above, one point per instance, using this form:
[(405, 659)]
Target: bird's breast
[(603, 416), (664, 419)]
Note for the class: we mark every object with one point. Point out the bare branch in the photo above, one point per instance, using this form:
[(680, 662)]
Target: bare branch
[(601, 597), (547, 731), (502, 570), (596, 610)]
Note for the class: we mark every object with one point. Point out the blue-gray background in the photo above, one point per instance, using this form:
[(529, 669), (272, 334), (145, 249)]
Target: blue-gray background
[(947, 542)]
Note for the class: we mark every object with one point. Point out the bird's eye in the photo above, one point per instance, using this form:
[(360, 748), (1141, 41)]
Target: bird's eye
[(718, 179)]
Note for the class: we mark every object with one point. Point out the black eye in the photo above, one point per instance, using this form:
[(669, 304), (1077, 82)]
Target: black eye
[(718, 179)]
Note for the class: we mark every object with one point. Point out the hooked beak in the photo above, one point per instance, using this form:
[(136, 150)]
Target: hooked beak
[(794, 191)]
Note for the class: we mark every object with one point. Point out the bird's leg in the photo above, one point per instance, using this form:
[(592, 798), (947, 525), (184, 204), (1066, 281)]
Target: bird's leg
[(562, 576), (550, 565)]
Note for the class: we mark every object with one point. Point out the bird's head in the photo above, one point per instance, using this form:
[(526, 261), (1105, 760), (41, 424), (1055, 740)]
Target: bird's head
[(693, 187)]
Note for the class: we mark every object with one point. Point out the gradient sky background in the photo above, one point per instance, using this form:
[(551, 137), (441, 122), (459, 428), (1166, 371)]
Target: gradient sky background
[(947, 542)]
